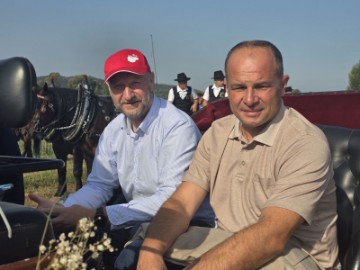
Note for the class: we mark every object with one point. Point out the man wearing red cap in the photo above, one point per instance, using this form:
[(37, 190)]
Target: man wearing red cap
[(143, 152)]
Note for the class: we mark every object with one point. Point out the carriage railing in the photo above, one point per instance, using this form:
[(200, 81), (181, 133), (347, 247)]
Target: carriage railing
[(12, 164)]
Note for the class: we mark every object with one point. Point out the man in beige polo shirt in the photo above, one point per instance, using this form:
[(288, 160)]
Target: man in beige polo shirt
[(269, 174)]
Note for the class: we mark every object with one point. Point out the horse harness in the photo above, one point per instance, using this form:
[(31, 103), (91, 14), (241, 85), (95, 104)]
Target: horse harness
[(85, 110)]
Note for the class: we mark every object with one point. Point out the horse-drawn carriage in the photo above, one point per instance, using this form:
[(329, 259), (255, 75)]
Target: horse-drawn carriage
[(17, 79)]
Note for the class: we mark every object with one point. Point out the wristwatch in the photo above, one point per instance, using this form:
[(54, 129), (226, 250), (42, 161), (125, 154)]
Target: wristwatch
[(100, 219)]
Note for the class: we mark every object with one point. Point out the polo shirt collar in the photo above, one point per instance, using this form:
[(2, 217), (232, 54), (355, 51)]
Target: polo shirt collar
[(268, 134)]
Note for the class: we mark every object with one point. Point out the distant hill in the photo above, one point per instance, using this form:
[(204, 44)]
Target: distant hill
[(161, 90)]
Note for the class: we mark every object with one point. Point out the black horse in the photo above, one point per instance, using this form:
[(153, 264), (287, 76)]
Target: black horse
[(72, 120)]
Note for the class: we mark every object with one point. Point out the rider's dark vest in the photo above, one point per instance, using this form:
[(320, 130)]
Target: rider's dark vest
[(183, 104), (212, 96)]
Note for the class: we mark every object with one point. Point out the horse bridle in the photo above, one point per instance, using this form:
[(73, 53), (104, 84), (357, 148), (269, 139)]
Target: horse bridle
[(46, 103), (48, 130)]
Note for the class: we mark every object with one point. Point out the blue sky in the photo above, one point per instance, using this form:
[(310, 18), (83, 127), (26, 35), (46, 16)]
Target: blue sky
[(319, 39)]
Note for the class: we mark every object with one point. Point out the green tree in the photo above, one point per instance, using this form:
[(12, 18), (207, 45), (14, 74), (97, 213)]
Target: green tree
[(94, 84), (296, 91), (98, 86), (74, 81), (41, 82), (354, 77), (52, 78)]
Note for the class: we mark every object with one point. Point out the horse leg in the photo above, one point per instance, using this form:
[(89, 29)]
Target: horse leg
[(62, 187), (88, 150), (60, 154), (27, 147), (78, 169), (89, 163), (36, 146)]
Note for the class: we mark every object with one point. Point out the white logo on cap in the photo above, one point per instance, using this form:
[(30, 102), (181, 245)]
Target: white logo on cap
[(132, 58)]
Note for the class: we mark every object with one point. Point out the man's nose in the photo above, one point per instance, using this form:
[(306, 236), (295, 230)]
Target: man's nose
[(128, 92), (250, 97)]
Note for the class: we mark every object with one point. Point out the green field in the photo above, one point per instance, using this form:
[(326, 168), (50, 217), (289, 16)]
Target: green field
[(44, 183)]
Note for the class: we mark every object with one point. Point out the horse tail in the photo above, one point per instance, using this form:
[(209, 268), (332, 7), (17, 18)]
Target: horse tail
[(36, 145)]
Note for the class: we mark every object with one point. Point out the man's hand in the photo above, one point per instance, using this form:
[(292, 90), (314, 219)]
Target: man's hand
[(66, 218), (171, 220), (63, 218), (194, 107), (150, 260), (43, 203)]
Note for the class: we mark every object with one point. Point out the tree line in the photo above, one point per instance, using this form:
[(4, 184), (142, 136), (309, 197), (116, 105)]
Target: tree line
[(96, 84), (161, 89), (354, 78)]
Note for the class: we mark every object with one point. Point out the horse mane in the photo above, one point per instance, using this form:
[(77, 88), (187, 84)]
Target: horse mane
[(65, 100)]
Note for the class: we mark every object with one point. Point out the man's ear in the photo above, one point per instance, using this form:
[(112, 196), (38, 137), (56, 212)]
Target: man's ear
[(284, 83)]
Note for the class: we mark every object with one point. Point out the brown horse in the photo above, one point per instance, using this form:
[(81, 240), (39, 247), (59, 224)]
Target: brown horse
[(72, 120), (31, 142)]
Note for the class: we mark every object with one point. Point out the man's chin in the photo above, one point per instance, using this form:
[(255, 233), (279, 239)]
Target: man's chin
[(133, 115), (130, 107)]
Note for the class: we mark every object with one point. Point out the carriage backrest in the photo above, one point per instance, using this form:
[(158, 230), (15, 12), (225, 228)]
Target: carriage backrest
[(215, 110), (339, 108), (17, 100)]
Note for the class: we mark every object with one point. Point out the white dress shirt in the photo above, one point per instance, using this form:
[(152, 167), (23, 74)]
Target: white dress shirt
[(182, 93), (216, 92)]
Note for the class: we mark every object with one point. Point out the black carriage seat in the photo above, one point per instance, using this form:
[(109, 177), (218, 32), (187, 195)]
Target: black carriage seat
[(28, 226), (17, 79), (17, 106), (345, 150)]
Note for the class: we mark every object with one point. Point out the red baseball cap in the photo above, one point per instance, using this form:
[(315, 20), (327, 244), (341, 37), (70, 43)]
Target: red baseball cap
[(127, 60)]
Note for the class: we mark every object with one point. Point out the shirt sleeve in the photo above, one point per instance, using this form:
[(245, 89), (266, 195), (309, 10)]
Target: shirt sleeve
[(206, 94), (303, 177), (171, 95), (101, 181), (199, 170), (194, 94)]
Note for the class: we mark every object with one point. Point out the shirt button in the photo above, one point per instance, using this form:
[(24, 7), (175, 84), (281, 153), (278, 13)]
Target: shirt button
[(243, 163)]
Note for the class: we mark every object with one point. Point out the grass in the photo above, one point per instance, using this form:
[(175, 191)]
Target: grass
[(44, 183)]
